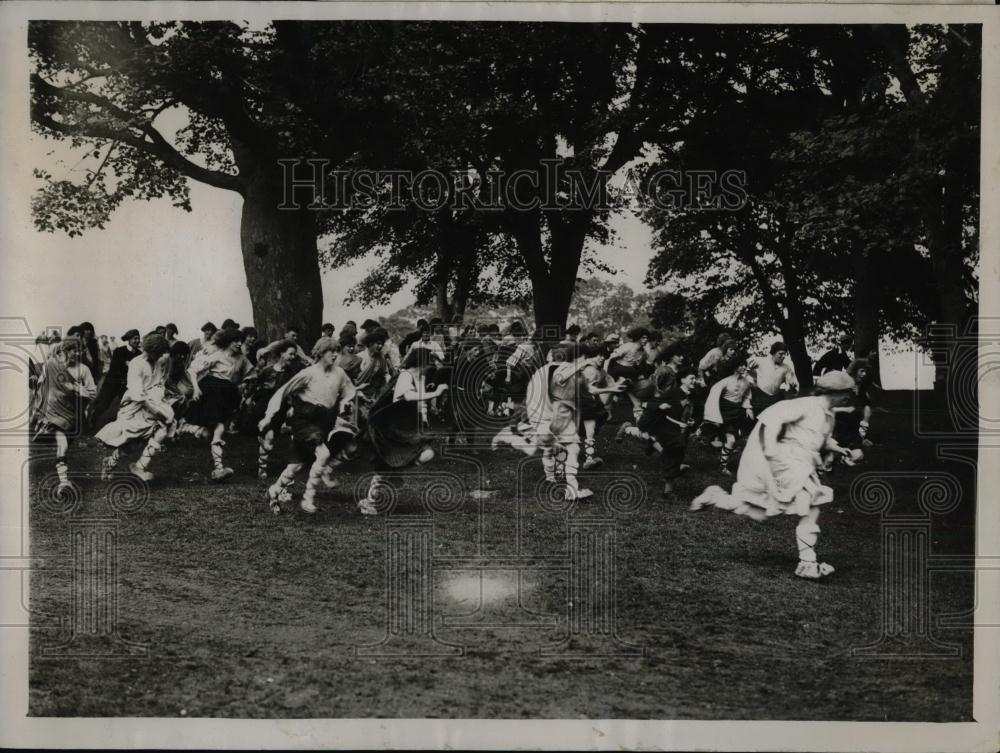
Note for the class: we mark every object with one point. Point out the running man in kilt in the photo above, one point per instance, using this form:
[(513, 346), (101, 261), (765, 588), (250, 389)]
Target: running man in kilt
[(285, 365), (216, 373), (64, 389), (593, 413), (551, 424), (773, 379), (728, 408), (318, 395), (395, 424)]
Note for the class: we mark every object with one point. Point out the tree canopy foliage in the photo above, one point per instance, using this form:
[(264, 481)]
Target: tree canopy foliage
[(859, 147)]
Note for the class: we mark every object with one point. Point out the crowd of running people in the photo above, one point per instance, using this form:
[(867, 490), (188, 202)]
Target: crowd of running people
[(359, 395)]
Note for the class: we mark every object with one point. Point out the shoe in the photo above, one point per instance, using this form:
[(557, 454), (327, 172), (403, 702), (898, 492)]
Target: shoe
[(107, 469), (328, 480), (813, 570), (273, 502), (221, 474), (64, 490), (700, 502), (592, 463), (307, 505), (262, 475), (683, 468), (725, 472), (579, 494), (137, 471), (367, 507)]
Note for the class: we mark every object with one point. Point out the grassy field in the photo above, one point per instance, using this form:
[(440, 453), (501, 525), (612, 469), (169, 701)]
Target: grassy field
[(244, 614)]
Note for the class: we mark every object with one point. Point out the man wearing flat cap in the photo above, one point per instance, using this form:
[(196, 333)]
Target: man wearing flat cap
[(113, 386)]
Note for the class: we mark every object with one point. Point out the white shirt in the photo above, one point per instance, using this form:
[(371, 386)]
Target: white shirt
[(432, 345), (769, 376)]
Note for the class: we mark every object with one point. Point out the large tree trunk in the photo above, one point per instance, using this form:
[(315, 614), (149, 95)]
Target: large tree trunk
[(552, 291), (942, 219), (281, 260), (441, 304), (793, 323), (791, 333), (787, 314), (550, 302), (466, 278), (945, 246), (549, 298), (866, 311)]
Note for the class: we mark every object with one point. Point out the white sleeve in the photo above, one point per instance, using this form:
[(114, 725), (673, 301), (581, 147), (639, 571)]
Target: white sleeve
[(133, 380), (404, 385), (87, 388)]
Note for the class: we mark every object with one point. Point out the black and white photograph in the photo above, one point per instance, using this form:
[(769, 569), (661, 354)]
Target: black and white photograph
[(504, 366)]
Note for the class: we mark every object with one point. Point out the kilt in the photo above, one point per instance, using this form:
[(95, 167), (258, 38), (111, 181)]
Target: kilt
[(617, 371), (734, 417), (220, 399), (394, 430), (256, 410), (592, 409), (761, 400), (310, 425)]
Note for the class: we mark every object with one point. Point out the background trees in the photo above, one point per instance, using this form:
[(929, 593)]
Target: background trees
[(838, 230), (859, 146), (159, 104)]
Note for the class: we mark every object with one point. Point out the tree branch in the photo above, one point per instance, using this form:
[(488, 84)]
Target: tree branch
[(626, 142), (156, 145), (100, 167)]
